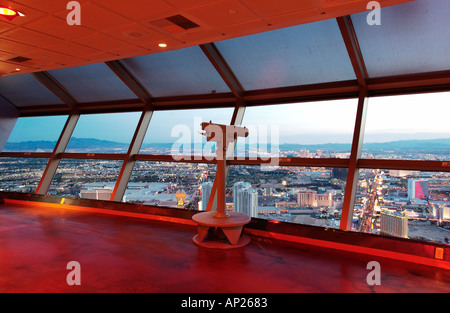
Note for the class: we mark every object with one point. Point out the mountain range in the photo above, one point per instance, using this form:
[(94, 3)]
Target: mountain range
[(97, 145)]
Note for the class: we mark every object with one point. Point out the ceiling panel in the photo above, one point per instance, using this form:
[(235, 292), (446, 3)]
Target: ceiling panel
[(412, 38), (5, 55), (125, 51), (92, 83), (175, 73), (270, 8), (100, 56), (260, 24), (6, 26), (136, 22), (223, 13), (183, 4), (306, 16), (138, 9), (199, 36), (50, 57), (48, 6), (14, 46), (25, 90), (47, 25), (299, 55), (135, 33), (96, 17), (31, 37), (101, 41), (72, 49)]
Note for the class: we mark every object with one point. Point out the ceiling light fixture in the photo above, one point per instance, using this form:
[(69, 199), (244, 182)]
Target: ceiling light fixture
[(162, 45), (10, 14)]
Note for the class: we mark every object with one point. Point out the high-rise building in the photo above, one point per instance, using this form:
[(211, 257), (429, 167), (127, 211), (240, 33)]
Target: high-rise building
[(247, 202), (310, 198), (394, 223), (441, 212), (444, 213), (245, 199), (307, 198), (206, 192), (236, 188), (96, 194), (418, 188)]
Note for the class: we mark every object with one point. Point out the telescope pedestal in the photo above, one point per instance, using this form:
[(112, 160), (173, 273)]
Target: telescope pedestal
[(221, 232)]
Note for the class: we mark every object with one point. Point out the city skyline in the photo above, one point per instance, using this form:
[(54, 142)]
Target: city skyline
[(312, 196)]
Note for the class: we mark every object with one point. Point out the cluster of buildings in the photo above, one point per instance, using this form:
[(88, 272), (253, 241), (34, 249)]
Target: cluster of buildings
[(298, 195), (245, 198), (406, 204), (310, 198), (394, 222)]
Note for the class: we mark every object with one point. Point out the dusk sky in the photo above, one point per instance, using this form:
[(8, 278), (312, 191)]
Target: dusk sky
[(388, 118)]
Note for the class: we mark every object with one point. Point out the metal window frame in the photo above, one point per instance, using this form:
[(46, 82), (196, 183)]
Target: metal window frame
[(363, 88)]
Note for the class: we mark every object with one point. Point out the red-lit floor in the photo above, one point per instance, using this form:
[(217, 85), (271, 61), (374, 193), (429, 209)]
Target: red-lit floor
[(123, 254)]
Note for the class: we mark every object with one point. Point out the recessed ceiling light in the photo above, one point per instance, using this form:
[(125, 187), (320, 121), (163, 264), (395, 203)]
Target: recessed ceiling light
[(10, 13), (162, 45), (7, 12), (17, 69)]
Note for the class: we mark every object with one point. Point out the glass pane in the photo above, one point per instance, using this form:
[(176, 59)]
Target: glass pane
[(168, 184), (175, 73), (21, 175), (35, 134), (178, 132), (92, 83), (104, 133), (412, 38), (408, 127), (314, 129), (299, 55), (302, 195), (25, 90), (408, 204), (88, 179)]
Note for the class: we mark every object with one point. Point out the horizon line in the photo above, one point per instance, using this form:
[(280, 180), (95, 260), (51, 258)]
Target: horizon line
[(257, 143)]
